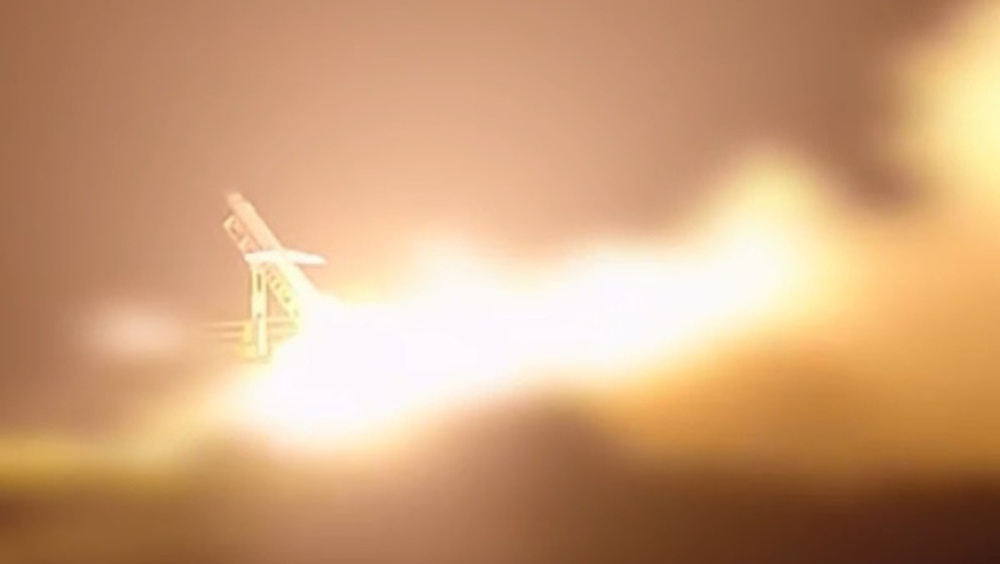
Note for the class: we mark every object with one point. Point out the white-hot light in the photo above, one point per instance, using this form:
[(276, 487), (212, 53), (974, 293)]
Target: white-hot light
[(471, 329)]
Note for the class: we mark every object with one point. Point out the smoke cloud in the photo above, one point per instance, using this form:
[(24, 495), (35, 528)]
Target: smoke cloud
[(890, 364)]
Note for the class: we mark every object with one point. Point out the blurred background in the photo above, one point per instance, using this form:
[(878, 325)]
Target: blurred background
[(732, 271)]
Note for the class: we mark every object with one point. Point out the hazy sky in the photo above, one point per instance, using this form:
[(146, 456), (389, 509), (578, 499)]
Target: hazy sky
[(356, 126)]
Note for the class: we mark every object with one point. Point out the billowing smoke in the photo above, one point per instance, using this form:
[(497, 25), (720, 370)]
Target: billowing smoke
[(895, 367)]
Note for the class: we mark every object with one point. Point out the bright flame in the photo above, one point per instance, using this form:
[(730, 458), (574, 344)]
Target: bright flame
[(471, 330)]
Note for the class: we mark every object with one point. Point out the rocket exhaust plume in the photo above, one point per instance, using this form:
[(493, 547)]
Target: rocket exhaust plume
[(466, 329)]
